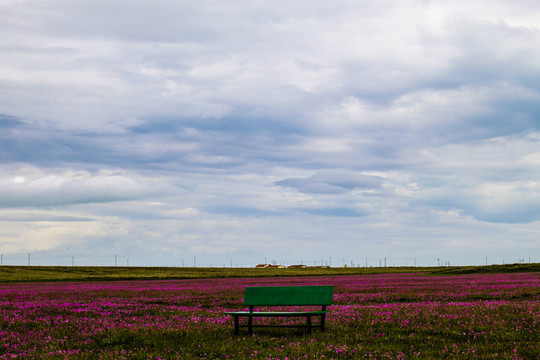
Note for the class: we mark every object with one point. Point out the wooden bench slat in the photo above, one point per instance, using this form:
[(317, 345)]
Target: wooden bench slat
[(289, 295)]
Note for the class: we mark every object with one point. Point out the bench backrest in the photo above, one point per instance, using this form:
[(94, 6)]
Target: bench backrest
[(289, 295)]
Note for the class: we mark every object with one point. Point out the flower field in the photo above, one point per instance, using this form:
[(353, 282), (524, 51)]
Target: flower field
[(395, 316)]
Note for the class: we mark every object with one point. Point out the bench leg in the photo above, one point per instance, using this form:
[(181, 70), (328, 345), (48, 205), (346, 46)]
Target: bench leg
[(309, 324), (323, 318), (250, 325), (236, 325)]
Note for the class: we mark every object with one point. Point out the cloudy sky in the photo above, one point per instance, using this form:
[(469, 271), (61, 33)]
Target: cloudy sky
[(234, 132)]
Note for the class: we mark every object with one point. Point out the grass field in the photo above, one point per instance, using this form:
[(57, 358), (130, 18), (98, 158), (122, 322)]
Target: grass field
[(101, 273), (374, 316)]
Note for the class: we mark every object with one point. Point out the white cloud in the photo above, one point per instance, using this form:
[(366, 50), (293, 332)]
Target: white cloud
[(56, 231), (67, 188)]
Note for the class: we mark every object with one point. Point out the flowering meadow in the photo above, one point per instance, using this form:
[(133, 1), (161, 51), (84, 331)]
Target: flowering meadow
[(393, 316)]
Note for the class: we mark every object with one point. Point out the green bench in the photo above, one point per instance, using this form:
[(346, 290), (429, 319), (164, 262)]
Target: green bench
[(284, 296)]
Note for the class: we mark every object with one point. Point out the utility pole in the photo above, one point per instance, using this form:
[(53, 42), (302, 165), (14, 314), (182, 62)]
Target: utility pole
[(28, 259)]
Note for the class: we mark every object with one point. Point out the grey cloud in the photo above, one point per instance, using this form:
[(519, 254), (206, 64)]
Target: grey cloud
[(242, 211), (31, 217), (173, 144), (488, 51), (333, 212), (523, 215), (510, 213), (139, 21), (7, 121), (503, 202), (473, 113), (332, 182)]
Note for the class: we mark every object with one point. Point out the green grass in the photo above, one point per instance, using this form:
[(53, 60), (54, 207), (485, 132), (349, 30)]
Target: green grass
[(101, 273), (490, 269)]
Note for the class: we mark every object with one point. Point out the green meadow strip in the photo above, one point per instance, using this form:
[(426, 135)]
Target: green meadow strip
[(99, 273), (104, 273)]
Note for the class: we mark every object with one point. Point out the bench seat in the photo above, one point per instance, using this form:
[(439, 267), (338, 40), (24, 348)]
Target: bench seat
[(276, 313)]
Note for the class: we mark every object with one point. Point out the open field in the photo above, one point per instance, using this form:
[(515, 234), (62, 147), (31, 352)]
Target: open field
[(378, 316), (97, 273), (100, 273)]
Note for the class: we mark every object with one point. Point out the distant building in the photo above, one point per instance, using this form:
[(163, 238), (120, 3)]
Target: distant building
[(297, 266), (270, 266)]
